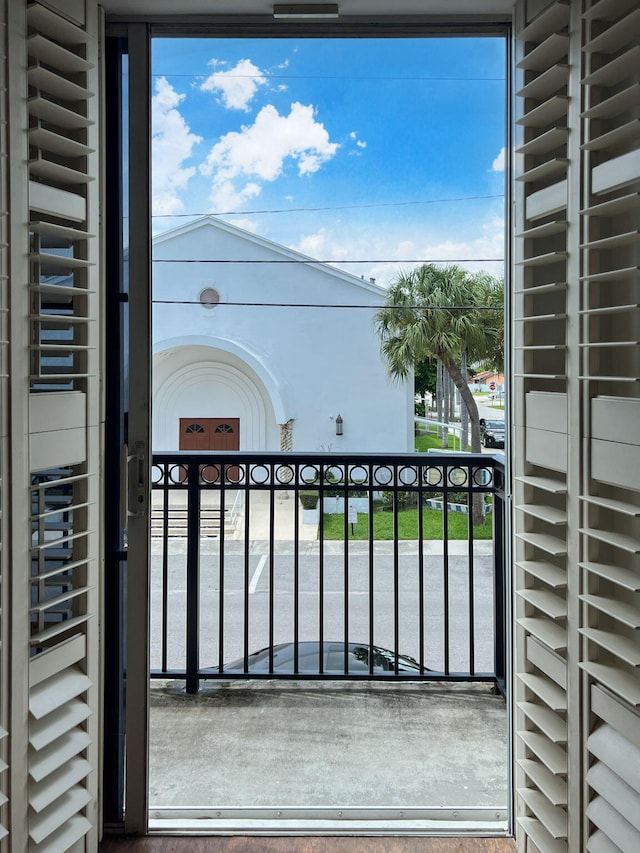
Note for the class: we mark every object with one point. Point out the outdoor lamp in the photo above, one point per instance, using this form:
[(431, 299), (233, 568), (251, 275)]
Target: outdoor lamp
[(339, 423)]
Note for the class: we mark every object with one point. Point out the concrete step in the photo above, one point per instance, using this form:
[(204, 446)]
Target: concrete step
[(177, 523)]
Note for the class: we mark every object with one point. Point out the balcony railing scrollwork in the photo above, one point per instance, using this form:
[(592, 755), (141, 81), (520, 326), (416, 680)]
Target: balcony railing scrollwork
[(328, 566)]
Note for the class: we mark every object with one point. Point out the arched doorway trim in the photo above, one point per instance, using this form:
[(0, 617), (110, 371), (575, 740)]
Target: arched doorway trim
[(275, 390)]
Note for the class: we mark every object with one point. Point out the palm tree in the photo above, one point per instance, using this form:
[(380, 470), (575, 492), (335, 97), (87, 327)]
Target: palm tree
[(438, 311)]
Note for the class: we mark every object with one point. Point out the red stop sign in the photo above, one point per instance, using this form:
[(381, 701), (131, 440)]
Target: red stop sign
[(492, 386)]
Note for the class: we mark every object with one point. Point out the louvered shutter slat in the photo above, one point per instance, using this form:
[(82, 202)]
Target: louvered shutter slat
[(614, 826), (549, 632), (54, 84), (547, 661), (54, 602), (622, 683), (56, 114), (44, 731), (553, 787), (42, 637), (611, 787), (55, 172), (56, 691), (49, 759), (614, 750), (620, 610), (543, 840), (65, 837), (46, 792), (547, 691), (552, 605), (611, 537), (599, 843), (546, 720), (615, 36), (57, 814), (59, 263), (55, 143), (54, 54), (550, 754), (549, 544), (619, 575), (55, 25), (552, 575), (61, 233), (552, 818), (623, 647), (53, 201)]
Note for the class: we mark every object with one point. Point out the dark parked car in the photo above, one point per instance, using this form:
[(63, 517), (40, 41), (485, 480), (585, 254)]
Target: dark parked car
[(492, 433), (332, 659)]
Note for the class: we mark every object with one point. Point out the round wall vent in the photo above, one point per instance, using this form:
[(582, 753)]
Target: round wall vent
[(209, 297)]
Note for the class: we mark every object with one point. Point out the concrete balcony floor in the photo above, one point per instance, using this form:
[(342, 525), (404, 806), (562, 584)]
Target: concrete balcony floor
[(352, 756)]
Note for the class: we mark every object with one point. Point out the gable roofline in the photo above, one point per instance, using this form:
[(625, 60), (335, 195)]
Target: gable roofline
[(269, 245)]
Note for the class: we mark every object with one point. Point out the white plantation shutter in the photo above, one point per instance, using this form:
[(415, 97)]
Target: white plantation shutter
[(58, 740), (55, 280), (610, 565), (576, 416), (613, 775), (540, 367)]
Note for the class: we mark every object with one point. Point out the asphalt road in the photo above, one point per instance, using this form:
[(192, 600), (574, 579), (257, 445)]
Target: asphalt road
[(276, 575)]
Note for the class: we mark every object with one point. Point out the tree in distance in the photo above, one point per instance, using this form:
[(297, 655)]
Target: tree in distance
[(442, 312)]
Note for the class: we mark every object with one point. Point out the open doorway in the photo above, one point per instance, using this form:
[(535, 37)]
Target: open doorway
[(281, 313)]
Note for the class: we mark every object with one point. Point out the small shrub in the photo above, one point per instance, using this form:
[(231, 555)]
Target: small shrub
[(404, 500), (309, 499)]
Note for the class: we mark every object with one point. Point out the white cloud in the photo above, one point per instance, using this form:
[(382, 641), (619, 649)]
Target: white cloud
[(258, 152), (401, 254), (405, 248), (482, 241), (236, 86), (354, 136), (172, 144), (226, 197), (498, 164), (248, 224), (322, 245)]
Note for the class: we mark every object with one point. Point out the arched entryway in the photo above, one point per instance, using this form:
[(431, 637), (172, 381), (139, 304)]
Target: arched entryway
[(209, 398)]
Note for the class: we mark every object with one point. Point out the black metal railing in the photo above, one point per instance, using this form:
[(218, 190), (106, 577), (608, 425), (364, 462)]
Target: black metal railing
[(326, 566)]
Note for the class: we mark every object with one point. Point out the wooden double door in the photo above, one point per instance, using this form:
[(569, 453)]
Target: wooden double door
[(209, 433)]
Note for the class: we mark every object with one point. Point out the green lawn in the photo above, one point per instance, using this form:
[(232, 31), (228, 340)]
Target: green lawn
[(432, 442), (407, 526)]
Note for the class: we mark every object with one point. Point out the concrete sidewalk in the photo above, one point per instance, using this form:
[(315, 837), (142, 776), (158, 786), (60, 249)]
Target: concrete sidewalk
[(260, 522)]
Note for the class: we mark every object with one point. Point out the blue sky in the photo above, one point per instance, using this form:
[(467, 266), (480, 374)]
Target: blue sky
[(352, 141)]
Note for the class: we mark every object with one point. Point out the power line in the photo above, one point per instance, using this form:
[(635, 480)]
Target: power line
[(338, 261), (327, 305), (332, 207), (268, 76)]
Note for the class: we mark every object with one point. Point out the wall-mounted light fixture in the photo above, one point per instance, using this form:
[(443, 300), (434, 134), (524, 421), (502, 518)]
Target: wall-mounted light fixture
[(339, 423), (301, 11)]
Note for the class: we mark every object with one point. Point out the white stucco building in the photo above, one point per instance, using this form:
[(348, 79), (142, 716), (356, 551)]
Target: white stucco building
[(230, 373)]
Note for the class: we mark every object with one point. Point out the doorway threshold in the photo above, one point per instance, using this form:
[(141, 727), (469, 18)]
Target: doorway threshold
[(463, 822)]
